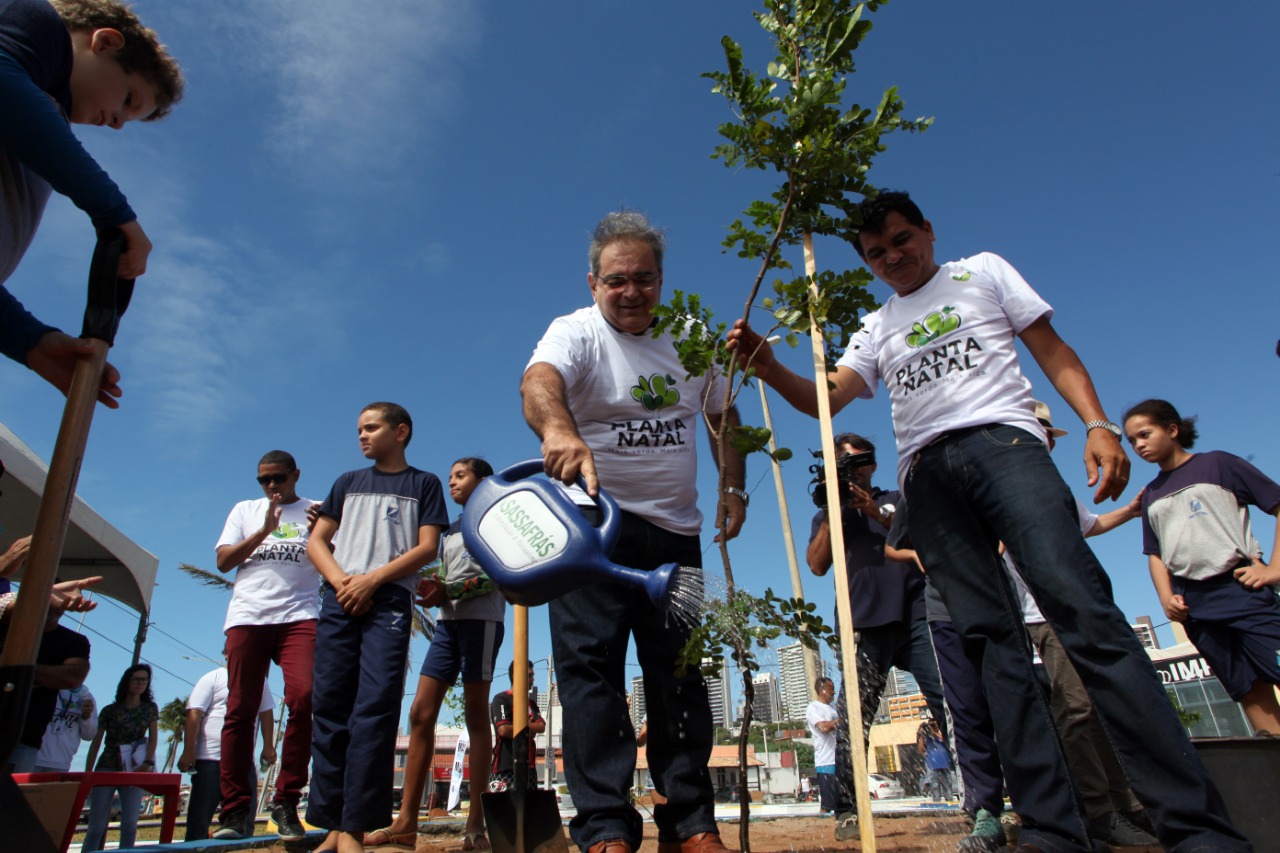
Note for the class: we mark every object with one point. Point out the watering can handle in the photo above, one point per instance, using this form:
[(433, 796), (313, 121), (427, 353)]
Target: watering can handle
[(607, 530)]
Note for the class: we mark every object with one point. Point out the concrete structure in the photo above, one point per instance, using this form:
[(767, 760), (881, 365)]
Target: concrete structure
[(766, 705), (793, 682), (638, 706), (1146, 633), (718, 693)]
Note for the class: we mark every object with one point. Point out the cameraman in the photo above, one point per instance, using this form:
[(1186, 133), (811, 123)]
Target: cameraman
[(886, 600)]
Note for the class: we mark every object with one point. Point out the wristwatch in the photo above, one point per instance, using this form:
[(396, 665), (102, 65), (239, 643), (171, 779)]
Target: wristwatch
[(1107, 425), (746, 498)]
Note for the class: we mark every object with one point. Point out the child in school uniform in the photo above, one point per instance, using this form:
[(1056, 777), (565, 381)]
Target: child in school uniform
[(391, 516), (1206, 565)]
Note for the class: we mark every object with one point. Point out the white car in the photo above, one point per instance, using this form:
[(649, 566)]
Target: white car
[(883, 788)]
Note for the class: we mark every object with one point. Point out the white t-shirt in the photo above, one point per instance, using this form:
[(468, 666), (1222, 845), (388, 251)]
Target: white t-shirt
[(946, 353), (278, 583), (1030, 612), (636, 411), (67, 728), (210, 696), (824, 743)]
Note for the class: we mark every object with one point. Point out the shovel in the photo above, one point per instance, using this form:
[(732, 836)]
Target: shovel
[(520, 820), (108, 299)]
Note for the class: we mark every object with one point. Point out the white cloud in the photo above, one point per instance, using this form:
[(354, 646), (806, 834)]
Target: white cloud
[(359, 87)]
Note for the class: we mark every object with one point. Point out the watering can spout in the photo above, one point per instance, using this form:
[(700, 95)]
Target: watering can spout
[(657, 584)]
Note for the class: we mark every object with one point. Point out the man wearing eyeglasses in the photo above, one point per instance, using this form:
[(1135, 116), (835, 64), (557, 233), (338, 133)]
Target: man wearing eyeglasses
[(272, 617), (612, 404)]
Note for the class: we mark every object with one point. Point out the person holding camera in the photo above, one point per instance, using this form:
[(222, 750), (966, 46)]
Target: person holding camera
[(886, 599)]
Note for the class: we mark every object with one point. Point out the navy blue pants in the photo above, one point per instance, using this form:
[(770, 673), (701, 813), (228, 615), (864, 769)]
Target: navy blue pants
[(590, 629), (979, 487), (976, 750), (355, 709)]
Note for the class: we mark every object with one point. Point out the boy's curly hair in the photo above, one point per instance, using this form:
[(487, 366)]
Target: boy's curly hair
[(142, 53)]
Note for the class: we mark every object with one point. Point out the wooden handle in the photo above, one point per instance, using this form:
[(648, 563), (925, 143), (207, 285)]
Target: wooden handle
[(26, 625), (520, 673)]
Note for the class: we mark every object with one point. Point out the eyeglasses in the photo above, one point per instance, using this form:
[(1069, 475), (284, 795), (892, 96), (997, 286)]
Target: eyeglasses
[(642, 280), (274, 479), (139, 679)]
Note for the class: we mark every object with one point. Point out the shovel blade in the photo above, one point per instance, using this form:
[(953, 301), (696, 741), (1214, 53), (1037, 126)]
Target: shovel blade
[(528, 825)]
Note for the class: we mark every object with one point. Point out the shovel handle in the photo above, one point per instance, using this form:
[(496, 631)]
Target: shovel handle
[(108, 297)]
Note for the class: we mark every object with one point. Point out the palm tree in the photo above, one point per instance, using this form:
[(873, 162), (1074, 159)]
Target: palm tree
[(173, 720), (205, 576)]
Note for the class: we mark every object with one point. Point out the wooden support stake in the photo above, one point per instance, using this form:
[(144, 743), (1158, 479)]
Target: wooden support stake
[(848, 648)]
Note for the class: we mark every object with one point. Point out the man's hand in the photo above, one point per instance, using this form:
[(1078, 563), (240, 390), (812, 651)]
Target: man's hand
[(862, 501), (87, 706), (356, 594), (1175, 607), (313, 513), (268, 754), (753, 350), (565, 456), (271, 520), (54, 358), (12, 560), (187, 760), (735, 515), (66, 597), (430, 592), (1103, 453), (133, 261), (1257, 575)]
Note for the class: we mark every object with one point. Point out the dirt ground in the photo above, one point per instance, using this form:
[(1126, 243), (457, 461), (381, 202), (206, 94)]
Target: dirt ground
[(794, 835)]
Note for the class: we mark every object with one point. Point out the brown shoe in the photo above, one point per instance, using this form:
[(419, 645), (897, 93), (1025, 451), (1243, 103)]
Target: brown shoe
[(614, 845), (703, 842)]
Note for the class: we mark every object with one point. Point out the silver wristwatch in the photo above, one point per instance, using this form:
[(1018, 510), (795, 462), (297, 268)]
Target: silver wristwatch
[(746, 498), (1107, 425)]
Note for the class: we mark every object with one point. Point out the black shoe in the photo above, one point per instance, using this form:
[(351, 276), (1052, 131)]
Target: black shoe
[(236, 824), (288, 827)]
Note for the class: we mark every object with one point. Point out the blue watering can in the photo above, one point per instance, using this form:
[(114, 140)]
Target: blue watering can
[(536, 544)]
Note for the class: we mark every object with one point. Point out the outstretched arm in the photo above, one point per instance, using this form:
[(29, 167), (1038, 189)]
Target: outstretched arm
[(1104, 457), (546, 408), (800, 392)]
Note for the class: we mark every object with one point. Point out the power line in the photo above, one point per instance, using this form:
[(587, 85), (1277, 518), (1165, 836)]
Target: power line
[(145, 660)]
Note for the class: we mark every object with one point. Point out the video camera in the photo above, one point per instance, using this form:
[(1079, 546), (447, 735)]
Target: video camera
[(846, 465)]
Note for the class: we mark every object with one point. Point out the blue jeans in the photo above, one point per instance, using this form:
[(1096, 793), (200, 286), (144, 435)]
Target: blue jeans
[(590, 629), (905, 645), (967, 493), (100, 813), (205, 796), (355, 709)]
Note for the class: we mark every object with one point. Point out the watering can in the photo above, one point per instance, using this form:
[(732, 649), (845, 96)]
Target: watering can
[(535, 543)]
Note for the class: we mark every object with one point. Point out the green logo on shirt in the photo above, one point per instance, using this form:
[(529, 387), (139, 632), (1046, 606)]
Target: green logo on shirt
[(656, 392), (933, 326), (287, 531), (964, 276)]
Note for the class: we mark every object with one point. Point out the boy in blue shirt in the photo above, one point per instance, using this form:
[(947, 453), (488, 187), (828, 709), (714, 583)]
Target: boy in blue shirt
[(391, 516), (81, 61)]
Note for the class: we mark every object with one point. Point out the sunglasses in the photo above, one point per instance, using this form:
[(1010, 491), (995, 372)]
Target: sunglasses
[(273, 479)]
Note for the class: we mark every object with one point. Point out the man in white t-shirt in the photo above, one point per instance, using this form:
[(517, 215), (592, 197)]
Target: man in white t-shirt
[(822, 720), (272, 617), (611, 404), (975, 470), (202, 747)]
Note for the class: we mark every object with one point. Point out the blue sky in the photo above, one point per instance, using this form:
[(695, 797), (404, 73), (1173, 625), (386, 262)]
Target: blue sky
[(393, 200)]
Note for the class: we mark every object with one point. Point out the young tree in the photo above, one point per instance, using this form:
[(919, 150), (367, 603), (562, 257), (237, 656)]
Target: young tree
[(798, 121)]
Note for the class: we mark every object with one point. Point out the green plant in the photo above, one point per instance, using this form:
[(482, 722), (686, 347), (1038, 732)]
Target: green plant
[(798, 121)]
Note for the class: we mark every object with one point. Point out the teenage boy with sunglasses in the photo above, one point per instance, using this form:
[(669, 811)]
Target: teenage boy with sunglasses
[(272, 617)]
